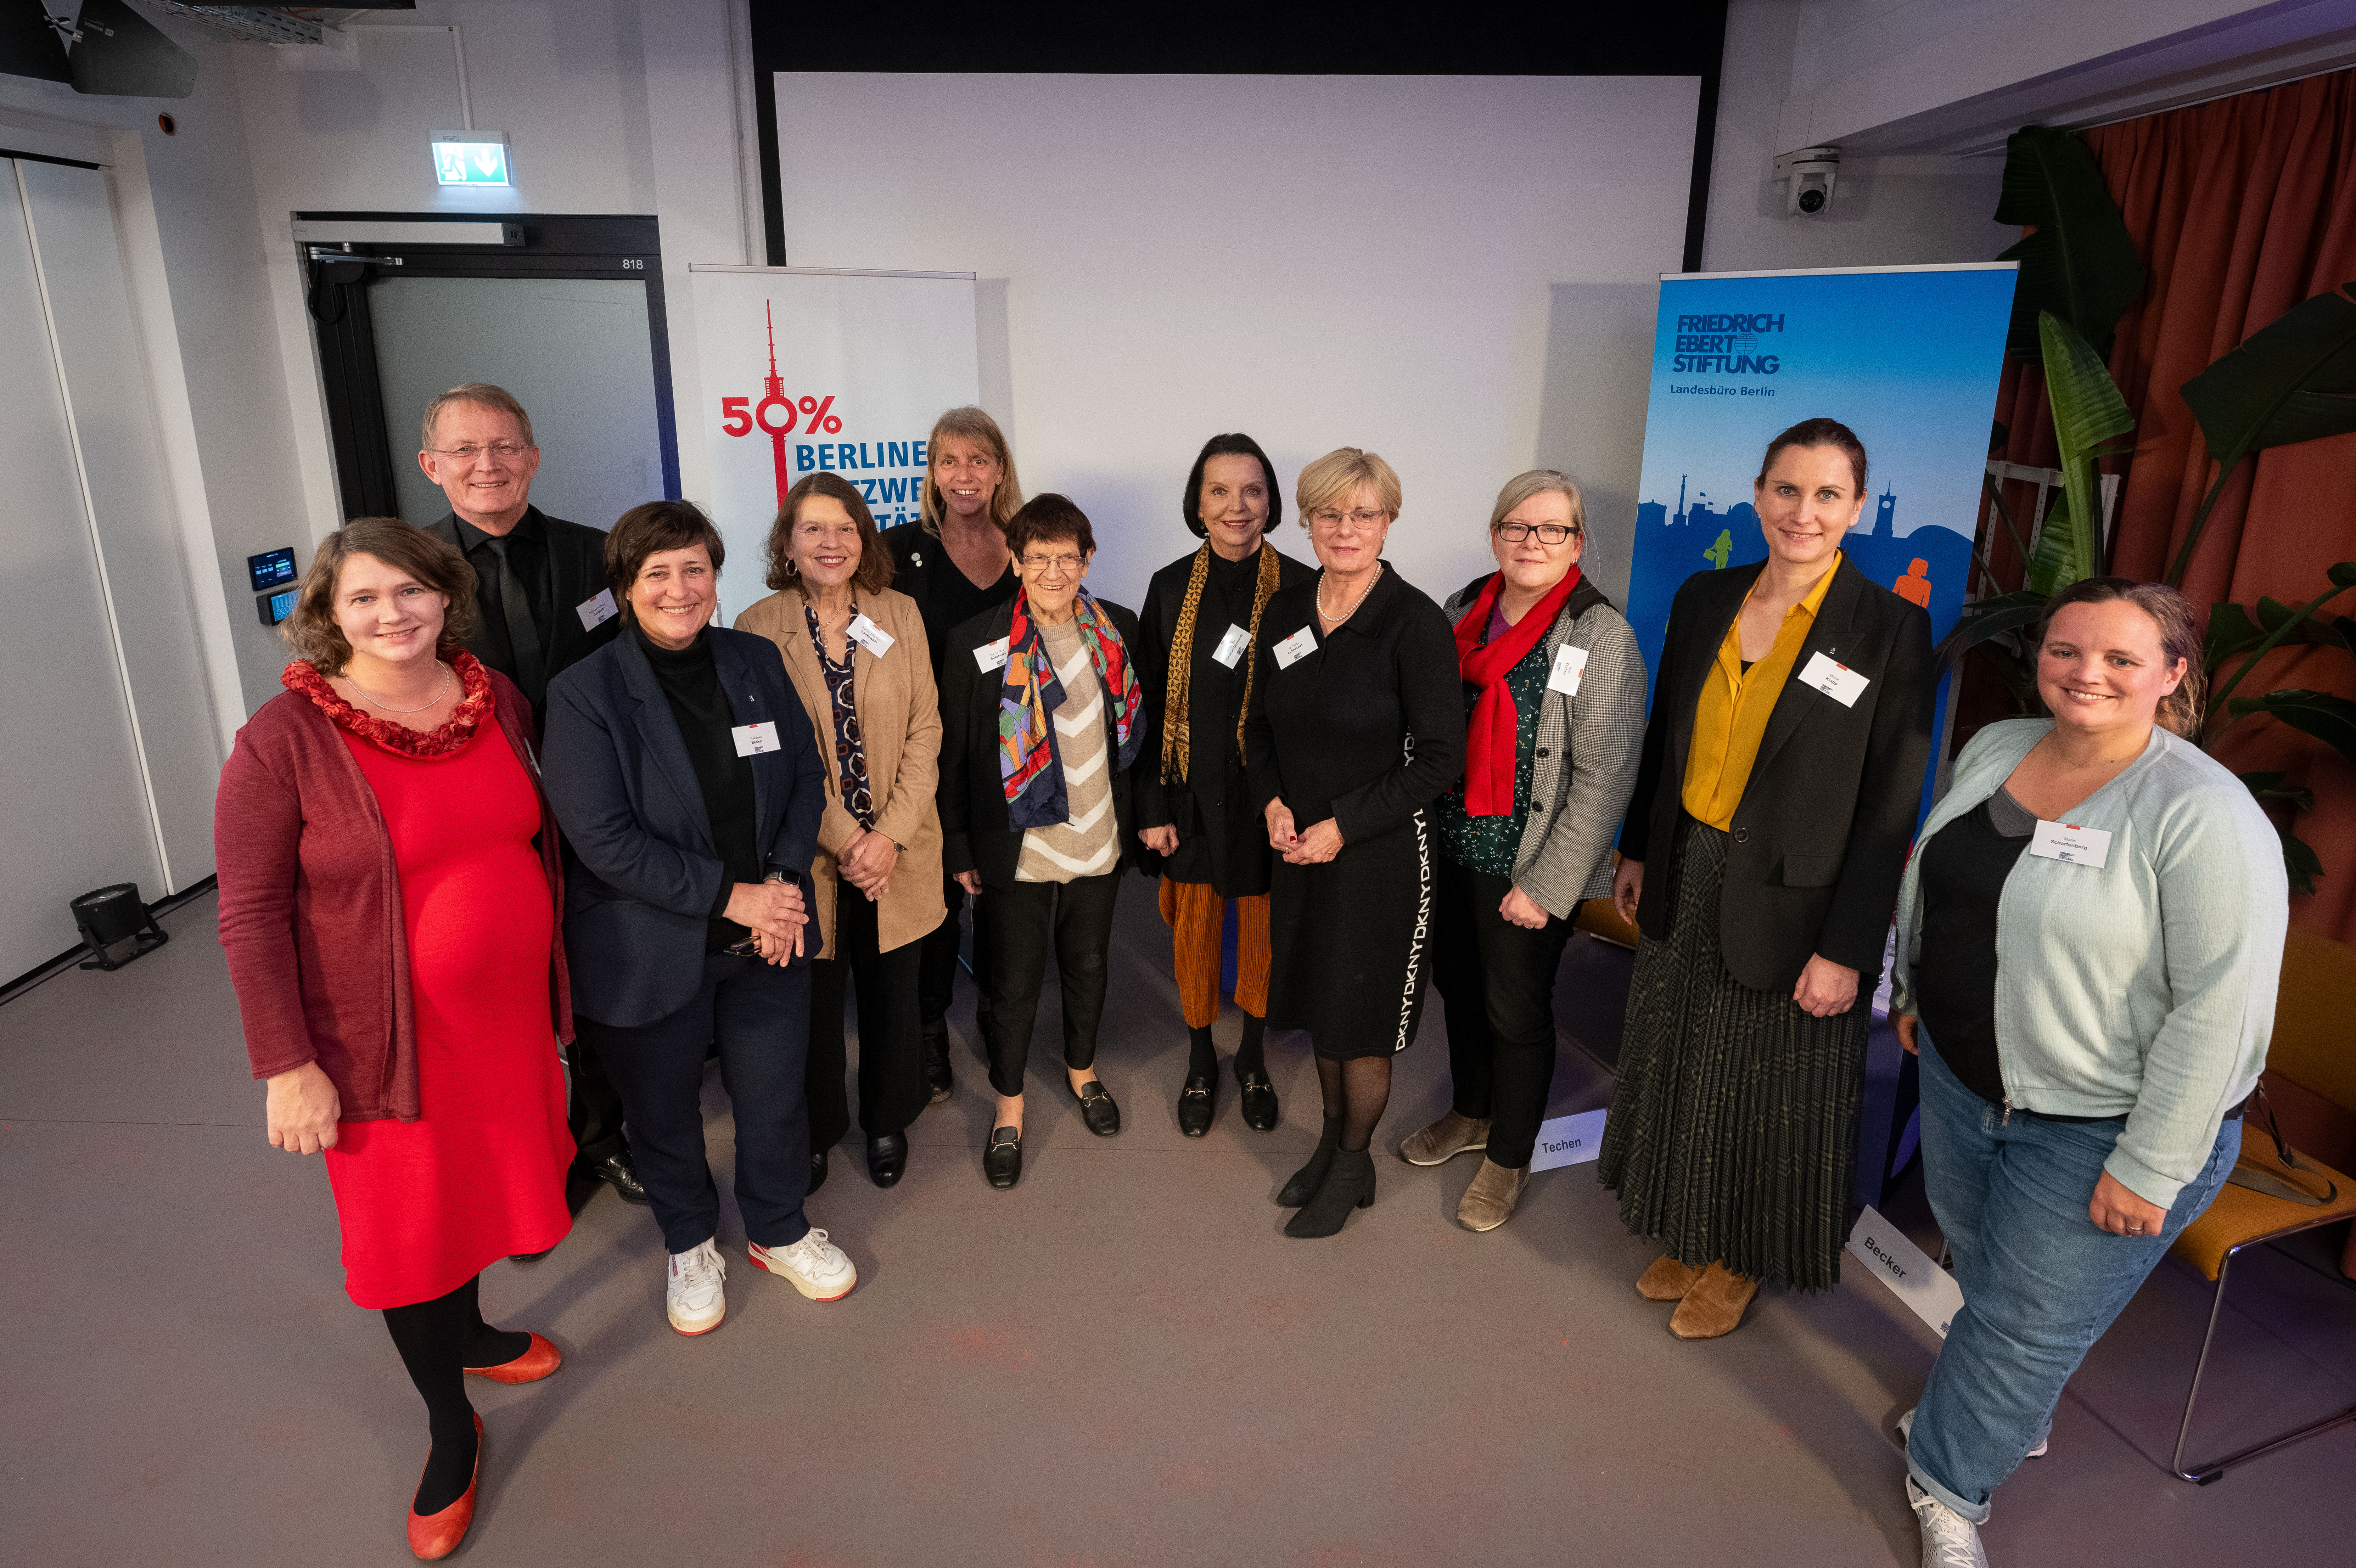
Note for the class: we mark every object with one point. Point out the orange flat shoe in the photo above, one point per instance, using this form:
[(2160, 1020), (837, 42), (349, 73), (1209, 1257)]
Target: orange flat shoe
[(539, 1360), (434, 1536)]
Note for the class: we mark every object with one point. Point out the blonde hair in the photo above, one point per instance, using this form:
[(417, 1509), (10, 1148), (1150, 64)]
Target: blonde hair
[(1540, 482), (1332, 477), (481, 392), (974, 425), (311, 630)]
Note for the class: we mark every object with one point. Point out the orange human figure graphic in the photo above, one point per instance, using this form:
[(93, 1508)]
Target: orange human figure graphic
[(1914, 585)]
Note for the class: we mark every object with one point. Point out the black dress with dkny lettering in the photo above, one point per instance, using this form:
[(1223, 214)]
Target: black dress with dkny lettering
[(1367, 729)]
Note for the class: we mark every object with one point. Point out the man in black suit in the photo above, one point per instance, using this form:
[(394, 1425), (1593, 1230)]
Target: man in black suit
[(544, 605)]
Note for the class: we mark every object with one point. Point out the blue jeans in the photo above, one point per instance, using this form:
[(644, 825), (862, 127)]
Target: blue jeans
[(2040, 1281)]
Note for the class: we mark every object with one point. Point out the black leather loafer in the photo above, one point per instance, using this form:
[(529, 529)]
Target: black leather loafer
[(1194, 1104), (1002, 1160), (1258, 1103), (817, 1172), (887, 1157), (620, 1172), (1097, 1109)]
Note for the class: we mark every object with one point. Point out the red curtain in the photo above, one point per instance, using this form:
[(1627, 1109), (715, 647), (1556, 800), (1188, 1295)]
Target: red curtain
[(2240, 208)]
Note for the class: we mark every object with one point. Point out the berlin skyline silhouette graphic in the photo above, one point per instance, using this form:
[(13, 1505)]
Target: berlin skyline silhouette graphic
[(773, 391)]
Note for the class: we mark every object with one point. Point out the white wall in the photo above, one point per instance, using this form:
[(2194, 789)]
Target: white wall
[(1454, 272)]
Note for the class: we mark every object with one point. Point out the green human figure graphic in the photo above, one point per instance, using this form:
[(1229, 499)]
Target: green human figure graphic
[(1719, 553)]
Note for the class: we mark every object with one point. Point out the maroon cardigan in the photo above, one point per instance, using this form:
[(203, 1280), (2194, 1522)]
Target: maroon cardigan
[(310, 905)]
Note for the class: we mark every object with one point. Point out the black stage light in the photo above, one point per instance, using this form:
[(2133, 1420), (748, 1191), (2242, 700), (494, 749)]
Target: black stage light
[(111, 916)]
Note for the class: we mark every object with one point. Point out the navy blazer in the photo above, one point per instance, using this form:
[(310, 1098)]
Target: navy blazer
[(644, 875)]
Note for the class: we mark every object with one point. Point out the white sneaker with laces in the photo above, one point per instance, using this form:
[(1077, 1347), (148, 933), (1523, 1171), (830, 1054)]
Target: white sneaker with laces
[(694, 1294), (814, 1265), (1949, 1540), (1906, 1426)]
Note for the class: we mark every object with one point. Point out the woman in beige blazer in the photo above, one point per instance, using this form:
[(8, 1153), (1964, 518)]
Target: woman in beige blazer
[(856, 652)]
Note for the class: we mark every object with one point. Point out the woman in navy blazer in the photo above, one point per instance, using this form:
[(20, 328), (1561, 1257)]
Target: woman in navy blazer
[(682, 770)]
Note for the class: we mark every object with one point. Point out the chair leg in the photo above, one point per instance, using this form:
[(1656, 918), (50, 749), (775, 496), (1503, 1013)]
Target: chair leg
[(2204, 1474)]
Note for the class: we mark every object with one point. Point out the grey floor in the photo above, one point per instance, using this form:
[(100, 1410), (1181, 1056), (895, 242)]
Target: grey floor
[(1123, 1360)]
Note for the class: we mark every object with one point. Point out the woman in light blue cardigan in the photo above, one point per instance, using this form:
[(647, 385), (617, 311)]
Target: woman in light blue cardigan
[(2089, 938)]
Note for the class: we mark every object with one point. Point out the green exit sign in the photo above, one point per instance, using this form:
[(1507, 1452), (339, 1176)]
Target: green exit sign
[(471, 158)]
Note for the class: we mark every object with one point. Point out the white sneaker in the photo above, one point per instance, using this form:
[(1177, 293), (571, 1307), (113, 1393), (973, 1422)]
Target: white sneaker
[(694, 1297), (815, 1266), (1949, 1540), (1906, 1424)]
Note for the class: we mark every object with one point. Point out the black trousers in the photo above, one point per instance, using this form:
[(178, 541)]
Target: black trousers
[(594, 1108), (1498, 980), (892, 1087), (937, 966), (758, 1016), (1075, 919)]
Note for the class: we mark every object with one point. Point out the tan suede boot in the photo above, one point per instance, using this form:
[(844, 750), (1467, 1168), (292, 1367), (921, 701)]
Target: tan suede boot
[(1445, 1139), (1666, 1280), (1713, 1307), (1489, 1201)]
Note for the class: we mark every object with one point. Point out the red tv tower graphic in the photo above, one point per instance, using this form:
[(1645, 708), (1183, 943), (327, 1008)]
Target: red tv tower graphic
[(738, 419)]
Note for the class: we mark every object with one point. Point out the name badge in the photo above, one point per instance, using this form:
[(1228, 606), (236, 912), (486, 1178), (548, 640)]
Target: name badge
[(1838, 682), (990, 655), (1296, 648), (751, 740), (2071, 844), (1231, 646), (870, 635), (596, 613), (1569, 664)]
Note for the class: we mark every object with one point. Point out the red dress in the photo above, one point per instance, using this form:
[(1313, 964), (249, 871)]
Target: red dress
[(426, 1205)]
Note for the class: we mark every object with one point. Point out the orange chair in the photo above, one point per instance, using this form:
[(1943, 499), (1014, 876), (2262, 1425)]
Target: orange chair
[(2312, 1047)]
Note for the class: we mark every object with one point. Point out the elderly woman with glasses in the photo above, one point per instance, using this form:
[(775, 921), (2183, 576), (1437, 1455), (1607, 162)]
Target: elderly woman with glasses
[(1041, 716), (1357, 728)]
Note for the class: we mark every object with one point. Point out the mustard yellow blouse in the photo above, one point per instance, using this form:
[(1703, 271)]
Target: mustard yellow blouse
[(1732, 717)]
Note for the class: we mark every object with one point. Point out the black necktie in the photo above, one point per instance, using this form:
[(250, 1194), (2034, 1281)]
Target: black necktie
[(523, 637)]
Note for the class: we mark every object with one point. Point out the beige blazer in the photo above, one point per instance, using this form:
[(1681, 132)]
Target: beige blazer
[(900, 725)]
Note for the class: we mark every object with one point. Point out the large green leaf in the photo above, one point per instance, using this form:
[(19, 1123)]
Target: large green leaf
[(2301, 864), (2080, 264), (2292, 380), (2329, 718), (1988, 618), (2088, 413)]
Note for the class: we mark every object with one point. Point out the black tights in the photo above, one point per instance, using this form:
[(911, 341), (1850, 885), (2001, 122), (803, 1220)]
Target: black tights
[(1355, 1091), (438, 1340)]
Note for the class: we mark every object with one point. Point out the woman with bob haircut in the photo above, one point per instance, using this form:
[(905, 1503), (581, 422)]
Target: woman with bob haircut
[(682, 768), (857, 657), (1041, 716), (2090, 1004), (389, 904), (1194, 811), (953, 562), (1554, 698), (1781, 766), (1357, 727)]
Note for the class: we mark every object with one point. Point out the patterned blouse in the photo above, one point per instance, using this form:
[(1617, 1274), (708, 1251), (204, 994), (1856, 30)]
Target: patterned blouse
[(1491, 844), (849, 748)]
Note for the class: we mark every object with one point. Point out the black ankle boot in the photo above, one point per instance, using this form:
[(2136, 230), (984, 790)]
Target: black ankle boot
[(1311, 1177), (1349, 1185)]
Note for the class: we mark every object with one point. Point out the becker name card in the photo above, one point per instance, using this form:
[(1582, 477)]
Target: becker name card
[(1931, 1291), (1569, 1141)]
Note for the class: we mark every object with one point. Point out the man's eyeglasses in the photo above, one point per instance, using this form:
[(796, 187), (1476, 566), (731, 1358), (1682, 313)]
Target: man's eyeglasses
[(498, 452), (1061, 565), (1548, 533)]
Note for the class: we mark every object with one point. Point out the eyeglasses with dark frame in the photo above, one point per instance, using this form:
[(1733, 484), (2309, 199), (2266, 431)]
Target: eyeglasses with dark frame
[(1548, 533)]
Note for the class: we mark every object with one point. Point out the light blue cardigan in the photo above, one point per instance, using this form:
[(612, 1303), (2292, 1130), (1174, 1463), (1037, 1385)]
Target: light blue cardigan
[(2145, 988)]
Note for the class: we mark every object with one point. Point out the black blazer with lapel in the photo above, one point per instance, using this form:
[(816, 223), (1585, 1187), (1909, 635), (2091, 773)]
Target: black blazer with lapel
[(1820, 837), (576, 573), (644, 875), (974, 834)]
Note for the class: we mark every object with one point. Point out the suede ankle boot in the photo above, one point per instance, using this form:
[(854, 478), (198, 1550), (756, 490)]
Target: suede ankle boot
[(1350, 1184), (1311, 1177), (1713, 1306), (1666, 1280)]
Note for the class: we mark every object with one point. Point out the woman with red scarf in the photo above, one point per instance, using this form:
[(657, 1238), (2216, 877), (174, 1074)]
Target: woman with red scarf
[(1553, 694)]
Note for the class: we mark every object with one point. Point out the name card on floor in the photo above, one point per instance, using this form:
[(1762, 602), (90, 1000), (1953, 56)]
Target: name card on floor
[(1569, 1141), (1931, 1291)]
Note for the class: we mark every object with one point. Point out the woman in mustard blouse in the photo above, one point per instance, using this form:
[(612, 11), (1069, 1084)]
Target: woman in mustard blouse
[(1781, 767)]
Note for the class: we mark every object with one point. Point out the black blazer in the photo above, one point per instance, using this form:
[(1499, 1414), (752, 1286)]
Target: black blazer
[(576, 574), (1820, 837), (643, 875), (974, 834)]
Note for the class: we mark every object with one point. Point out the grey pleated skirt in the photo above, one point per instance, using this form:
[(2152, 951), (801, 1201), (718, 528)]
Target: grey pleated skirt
[(1732, 1136)]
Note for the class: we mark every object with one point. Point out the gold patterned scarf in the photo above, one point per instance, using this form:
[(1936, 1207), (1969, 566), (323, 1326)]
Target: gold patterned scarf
[(1177, 699)]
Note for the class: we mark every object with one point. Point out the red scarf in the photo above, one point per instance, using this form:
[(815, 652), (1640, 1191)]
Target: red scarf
[(1490, 732)]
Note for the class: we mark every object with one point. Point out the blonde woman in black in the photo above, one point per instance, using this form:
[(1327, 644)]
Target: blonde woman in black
[(1200, 640)]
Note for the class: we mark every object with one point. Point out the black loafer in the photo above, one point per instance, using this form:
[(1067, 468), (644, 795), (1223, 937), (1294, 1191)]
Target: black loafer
[(619, 1173), (887, 1157), (1002, 1160), (1194, 1104), (1097, 1109), (817, 1172), (1258, 1102)]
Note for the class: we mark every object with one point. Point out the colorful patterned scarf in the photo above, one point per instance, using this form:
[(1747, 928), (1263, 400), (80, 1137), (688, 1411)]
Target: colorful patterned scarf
[(1178, 698), (1029, 765)]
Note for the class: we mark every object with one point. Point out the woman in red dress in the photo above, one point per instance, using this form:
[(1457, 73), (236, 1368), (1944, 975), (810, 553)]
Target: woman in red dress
[(391, 925)]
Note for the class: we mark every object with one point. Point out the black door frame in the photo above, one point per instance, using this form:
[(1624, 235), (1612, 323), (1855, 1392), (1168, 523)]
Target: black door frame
[(555, 245)]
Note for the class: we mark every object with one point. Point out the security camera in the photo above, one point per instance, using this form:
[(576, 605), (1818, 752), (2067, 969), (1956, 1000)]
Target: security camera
[(1807, 177)]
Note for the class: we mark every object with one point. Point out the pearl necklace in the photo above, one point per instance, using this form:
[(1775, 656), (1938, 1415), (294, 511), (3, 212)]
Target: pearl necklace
[(373, 701), (1361, 598)]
